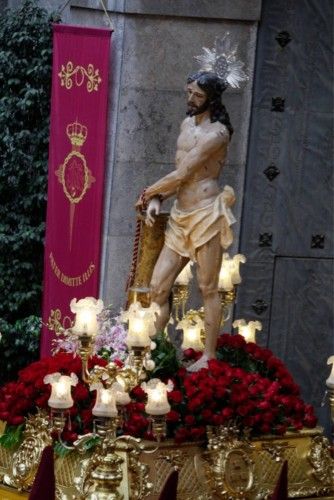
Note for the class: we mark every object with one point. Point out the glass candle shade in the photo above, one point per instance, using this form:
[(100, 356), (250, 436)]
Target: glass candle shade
[(185, 275), (235, 268), (60, 397), (157, 403), (141, 324), (86, 311), (247, 330), (105, 404), (192, 338), (330, 380), (192, 325), (121, 396), (225, 275), (230, 271)]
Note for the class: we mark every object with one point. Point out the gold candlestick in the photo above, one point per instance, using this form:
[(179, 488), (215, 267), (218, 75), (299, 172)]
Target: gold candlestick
[(180, 297), (227, 297), (158, 426), (85, 351)]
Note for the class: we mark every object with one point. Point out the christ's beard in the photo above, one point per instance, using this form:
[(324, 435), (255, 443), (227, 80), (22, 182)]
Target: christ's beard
[(197, 110)]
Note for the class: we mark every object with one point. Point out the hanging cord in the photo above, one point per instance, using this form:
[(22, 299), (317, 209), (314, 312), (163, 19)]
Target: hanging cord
[(107, 15), (64, 6), (103, 7)]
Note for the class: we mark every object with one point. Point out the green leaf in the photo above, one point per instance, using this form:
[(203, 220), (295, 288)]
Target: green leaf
[(61, 450), (12, 436)]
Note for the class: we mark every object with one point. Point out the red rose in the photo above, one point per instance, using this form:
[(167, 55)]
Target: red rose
[(189, 353), (80, 392), (191, 390), (227, 413), (237, 341), (217, 420), (119, 363), (297, 424), (274, 363), (197, 432), (175, 396), (173, 416), (181, 435), (182, 372), (263, 405), (268, 417), (224, 340), (86, 417), (194, 404), (16, 420), (239, 373), (239, 395), (244, 409), (310, 420), (280, 429), (138, 393), (206, 415), (265, 428), (190, 420), (220, 392)]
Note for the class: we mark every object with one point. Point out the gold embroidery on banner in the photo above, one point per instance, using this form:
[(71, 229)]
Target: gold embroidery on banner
[(74, 174), (69, 74), (56, 324), (71, 280)]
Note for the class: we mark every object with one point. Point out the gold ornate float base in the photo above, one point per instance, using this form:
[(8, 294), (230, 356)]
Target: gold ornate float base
[(228, 468)]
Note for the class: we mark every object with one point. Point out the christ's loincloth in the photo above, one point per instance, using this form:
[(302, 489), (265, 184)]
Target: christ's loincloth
[(188, 230)]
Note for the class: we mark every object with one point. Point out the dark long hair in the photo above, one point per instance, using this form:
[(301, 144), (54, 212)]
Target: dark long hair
[(213, 86)]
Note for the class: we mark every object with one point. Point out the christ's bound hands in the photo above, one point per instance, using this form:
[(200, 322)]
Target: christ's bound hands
[(152, 211)]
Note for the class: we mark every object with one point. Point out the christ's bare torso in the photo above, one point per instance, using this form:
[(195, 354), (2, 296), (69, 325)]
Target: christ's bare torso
[(202, 187)]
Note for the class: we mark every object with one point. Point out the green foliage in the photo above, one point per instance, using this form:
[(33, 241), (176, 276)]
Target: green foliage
[(18, 345), (25, 83), (12, 436), (25, 79), (165, 357)]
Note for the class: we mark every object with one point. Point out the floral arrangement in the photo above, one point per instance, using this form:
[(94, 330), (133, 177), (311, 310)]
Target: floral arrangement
[(246, 385), (22, 398), (109, 342)]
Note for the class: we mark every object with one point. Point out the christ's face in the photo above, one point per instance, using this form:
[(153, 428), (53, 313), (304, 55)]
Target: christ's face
[(197, 100)]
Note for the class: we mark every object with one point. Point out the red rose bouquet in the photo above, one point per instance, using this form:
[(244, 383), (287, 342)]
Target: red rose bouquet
[(246, 385)]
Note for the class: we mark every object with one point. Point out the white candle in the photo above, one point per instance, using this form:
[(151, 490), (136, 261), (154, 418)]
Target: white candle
[(185, 275), (247, 330), (330, 380), (141, 324), (105, 405), (225, 275), (229, 272), (86, 311), (60, 397), (192, 328), (235, 268), (157, 403)]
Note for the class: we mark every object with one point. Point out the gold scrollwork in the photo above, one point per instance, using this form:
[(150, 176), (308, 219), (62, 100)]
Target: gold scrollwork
[(320, 460), (276, 450), (56, 324), (228, 466), (69, 74), (26, 459), (175, 458)]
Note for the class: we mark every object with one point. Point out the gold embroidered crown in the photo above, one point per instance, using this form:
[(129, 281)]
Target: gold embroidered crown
[(76, 133)]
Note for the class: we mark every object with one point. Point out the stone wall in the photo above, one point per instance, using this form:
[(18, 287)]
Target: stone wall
[(153, 49)]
